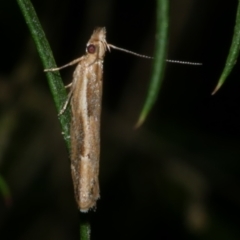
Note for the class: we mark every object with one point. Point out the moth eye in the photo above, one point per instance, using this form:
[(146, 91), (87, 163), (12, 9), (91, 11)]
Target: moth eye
[(91, 48)]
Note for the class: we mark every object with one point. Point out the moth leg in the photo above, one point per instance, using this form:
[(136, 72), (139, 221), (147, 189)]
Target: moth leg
[(66, 103), (69, 85), (64, 66)]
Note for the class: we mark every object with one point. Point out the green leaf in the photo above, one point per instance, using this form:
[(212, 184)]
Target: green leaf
[(159, 59), (54, 79), (233, 53)]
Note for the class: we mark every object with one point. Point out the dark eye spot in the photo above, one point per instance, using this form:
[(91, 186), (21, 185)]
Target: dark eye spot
[(91, 48)]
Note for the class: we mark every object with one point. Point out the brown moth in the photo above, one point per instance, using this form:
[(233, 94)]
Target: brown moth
[(85, 98), (86, 91)]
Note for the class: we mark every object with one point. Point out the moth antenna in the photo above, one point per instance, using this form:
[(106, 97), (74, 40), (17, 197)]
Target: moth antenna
[(127, 51), (183, 62), (109, 46)]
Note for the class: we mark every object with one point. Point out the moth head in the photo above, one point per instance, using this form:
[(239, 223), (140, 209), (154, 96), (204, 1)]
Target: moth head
[(97, 45)]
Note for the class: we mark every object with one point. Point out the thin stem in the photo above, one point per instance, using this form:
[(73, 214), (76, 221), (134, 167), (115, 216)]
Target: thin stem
[(55, 82)]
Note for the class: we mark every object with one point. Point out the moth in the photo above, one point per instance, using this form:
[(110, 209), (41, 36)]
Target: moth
[(85, 98)]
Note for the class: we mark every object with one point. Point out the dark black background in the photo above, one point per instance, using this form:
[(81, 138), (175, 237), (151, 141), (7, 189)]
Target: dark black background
[(177, 177)]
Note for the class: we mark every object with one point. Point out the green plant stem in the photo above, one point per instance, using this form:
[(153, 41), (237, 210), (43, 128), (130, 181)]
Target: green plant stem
[(54, 79), (55, 82), (159, 59), (85, 227)]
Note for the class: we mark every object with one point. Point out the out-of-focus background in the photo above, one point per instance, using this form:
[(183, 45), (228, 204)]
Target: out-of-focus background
[(177, 177)]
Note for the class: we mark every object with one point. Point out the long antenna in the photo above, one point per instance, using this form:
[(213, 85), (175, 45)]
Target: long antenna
[(183, 62), (127, 51), (144, 56)]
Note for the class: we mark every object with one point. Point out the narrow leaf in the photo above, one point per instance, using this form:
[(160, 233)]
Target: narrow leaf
[(233, 53), (159, 59), (55, 82)]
